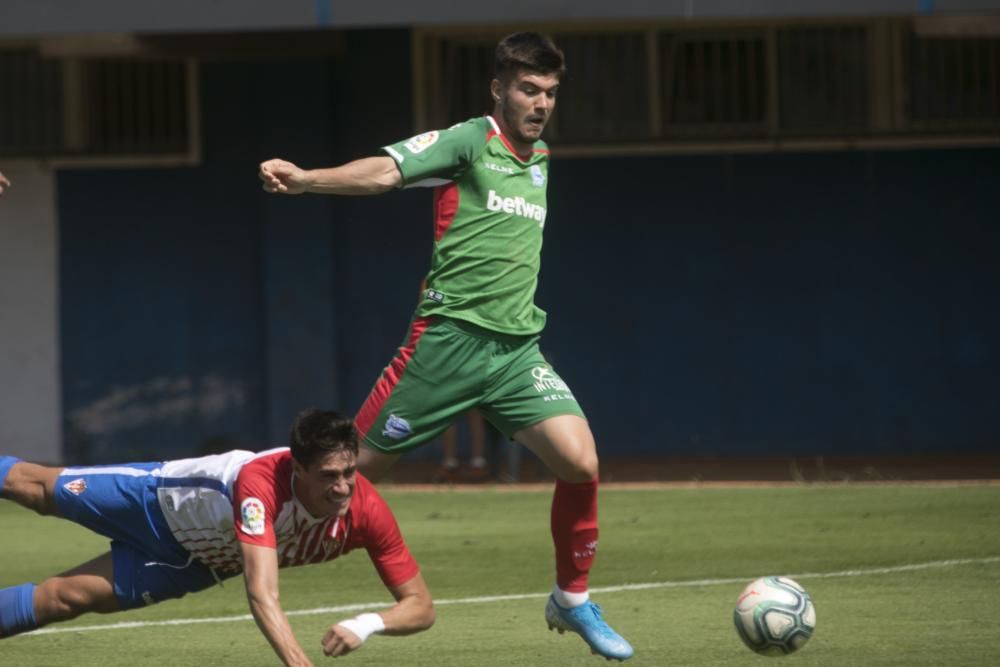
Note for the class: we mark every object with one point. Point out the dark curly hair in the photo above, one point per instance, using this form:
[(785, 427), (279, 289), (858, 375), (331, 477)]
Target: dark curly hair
[(530, 51), (316, 433)]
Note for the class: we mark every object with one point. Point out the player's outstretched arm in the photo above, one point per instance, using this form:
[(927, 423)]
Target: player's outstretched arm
[(260, 572), (413, 612), (367, 176)]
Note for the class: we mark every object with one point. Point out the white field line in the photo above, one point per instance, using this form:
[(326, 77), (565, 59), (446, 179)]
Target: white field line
[(691, 484), (693, 583)]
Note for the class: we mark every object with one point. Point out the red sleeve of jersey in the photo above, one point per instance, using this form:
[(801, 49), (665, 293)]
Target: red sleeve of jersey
[(255, 501), (384, 542)]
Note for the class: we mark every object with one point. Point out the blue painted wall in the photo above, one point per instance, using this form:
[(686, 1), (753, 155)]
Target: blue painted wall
[(838, 303), (835, 303)]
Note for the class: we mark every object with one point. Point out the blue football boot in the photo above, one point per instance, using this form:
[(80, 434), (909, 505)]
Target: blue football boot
[(586, 621)]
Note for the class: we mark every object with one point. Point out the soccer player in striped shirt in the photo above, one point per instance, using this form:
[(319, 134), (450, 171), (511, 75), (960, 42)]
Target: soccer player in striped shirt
[(473, 341), (178, 527)]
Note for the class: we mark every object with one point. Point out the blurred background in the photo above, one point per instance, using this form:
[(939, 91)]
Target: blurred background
[(773, 245)]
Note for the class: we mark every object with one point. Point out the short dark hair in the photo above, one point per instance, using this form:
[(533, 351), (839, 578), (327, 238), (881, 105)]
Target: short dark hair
[(316, 433), (530, 51)]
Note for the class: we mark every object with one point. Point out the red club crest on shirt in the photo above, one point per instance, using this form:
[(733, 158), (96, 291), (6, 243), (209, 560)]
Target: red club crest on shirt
[(76, 487)]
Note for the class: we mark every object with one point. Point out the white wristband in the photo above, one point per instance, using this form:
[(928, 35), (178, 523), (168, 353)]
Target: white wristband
[(364, 625)]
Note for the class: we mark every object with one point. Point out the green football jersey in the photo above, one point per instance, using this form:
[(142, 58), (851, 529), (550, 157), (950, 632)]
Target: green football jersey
[(489, 213)]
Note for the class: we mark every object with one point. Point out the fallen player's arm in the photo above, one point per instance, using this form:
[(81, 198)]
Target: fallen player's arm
[(413, 612), (367, 176), (260, 572)]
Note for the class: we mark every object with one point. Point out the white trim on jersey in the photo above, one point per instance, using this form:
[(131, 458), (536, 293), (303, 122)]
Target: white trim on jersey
[(108, 470), (493, 122), (396, 155)]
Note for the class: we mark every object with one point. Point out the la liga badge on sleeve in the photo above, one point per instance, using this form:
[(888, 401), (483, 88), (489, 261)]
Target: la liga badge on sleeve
[(252, 512)]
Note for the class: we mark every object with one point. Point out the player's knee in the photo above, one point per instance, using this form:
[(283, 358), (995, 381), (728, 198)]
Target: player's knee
[(581, 468)]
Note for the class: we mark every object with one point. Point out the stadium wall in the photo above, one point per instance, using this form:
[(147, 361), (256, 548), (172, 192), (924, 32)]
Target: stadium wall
[(29, 350), (793, 304), (31, 17)]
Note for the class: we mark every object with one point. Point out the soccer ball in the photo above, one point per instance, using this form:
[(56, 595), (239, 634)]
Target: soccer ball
[(774, 616)]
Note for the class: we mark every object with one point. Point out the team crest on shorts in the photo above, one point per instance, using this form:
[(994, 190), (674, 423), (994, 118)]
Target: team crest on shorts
[(252, 511), (397, 428), (76, 487)]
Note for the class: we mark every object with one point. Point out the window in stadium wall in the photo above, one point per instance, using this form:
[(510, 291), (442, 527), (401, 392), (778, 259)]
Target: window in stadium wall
[(713, 84), (823, 80), (84, 110), (751, 85), (953, 83)]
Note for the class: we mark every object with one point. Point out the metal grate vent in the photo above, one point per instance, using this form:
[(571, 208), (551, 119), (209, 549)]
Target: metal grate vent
[(133, 107), (714, 84), (954, 82), (96, 108), (606, 96), (463, 90), (31, 123), (823, 80)]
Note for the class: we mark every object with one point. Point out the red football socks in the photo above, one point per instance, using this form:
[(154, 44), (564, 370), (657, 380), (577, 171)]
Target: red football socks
[(574, 532)]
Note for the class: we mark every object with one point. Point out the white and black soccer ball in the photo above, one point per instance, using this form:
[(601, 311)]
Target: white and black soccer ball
[(774, 616)]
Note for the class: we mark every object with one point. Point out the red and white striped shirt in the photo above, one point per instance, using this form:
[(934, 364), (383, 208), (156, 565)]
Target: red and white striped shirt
[(213, 502)]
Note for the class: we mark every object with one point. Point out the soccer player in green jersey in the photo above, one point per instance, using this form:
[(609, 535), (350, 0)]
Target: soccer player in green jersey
[(473, 341)]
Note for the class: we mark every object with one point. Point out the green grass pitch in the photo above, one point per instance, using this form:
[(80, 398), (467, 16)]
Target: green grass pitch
[(848, 545)]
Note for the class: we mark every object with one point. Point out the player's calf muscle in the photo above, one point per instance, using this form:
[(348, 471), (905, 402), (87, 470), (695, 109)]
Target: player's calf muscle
[(55, 603)]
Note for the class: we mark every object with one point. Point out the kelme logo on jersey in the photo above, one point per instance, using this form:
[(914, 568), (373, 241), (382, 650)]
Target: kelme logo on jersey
[(500, 168), (421, 142), (516, 205), (396, 428), (252, 513)]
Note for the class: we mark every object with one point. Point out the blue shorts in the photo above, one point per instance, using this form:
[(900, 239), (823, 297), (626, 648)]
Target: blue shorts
[(120, 502)]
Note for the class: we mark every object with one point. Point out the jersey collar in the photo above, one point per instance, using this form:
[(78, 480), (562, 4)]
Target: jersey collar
[(506, 141)]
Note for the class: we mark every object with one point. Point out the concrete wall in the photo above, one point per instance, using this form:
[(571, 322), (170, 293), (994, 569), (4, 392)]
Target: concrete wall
[(54, 17), (828, 303), (30, 413)]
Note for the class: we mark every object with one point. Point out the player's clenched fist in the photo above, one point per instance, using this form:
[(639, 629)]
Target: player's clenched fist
[(340, 641), (282, 176)]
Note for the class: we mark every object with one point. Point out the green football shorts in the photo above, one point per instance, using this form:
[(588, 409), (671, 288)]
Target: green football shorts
[(447, 366)]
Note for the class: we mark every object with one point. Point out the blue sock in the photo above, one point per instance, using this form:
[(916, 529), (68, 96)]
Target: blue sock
[(6, 463), (17, 610)]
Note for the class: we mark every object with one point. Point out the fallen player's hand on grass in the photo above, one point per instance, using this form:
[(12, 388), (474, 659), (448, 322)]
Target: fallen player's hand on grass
[(340, 641)]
